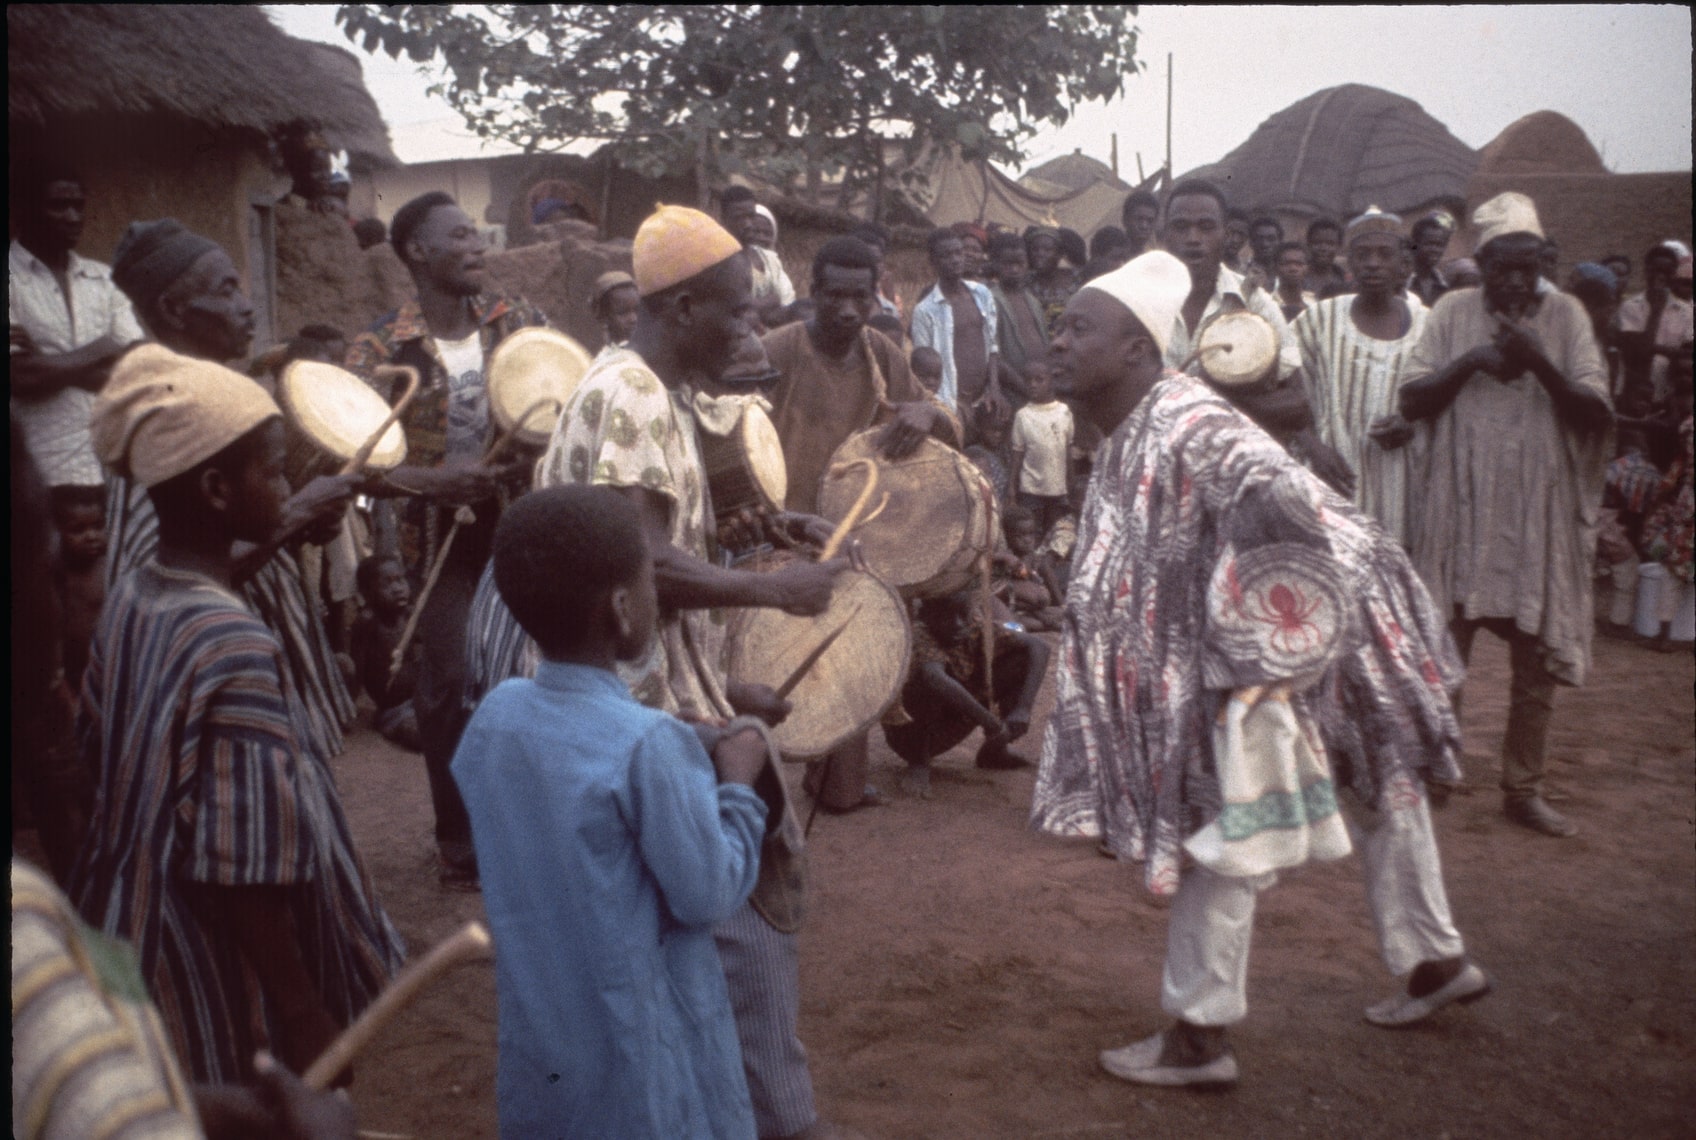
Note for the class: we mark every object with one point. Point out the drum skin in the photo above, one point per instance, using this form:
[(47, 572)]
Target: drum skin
[(848, 689), (940, 522), (532, 366), (1237, 348), (331, 413), (745, 469)]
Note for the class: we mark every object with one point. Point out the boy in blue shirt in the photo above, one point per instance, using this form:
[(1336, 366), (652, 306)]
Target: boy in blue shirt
[(608, 849)]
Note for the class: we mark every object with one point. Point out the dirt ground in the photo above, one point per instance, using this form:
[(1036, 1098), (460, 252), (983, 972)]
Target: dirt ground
[(959, 973)]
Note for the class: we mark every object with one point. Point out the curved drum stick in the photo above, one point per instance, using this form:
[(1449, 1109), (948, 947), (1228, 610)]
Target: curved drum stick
[(385, 371), (852, 518), (472, 941)]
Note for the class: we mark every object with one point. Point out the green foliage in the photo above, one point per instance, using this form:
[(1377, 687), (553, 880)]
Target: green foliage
[(769, 89)]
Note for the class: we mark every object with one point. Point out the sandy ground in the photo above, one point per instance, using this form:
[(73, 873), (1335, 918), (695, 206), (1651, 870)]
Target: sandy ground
[(959, 973)]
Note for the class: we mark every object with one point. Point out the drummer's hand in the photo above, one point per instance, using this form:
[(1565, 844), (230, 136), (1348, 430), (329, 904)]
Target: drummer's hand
[(739, 757), (302, 1112), (802, 588), (800, 527), (758, 700), (912, 425), (325, 498)]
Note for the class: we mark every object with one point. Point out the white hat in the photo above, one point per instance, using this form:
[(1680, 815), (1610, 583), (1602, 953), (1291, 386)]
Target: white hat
[(1506, 213), (1153, 287)]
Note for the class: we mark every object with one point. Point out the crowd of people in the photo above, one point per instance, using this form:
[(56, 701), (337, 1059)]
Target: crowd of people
[(1258, 589)]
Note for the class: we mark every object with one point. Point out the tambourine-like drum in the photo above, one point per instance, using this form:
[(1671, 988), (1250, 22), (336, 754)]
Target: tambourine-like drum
[(849, 687), (1236, 348), (332, 413), (745, 469), (532, 375), (937, 525)]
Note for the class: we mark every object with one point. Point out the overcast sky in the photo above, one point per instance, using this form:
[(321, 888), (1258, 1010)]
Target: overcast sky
[(1621, 71)]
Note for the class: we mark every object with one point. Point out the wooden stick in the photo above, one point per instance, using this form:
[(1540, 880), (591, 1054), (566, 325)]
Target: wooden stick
[(471, 941), (462, 517), (507, 436), (383, 371), (852, 518)]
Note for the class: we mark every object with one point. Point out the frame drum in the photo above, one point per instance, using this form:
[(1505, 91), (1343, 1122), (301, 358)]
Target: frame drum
[(527, 369), (940, 522), (1236, 348), (849, 688), (331, 414)]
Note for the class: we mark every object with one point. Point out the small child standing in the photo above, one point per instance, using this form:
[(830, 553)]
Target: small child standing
[(608, 848), (989, 451), (1042, 449), (79, 572), (388, 599), (615, 304)]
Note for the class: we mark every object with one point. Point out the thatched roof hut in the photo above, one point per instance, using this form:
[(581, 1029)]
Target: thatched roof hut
[(1589, 211), (1341, 150), (169, 110), (221, 66)]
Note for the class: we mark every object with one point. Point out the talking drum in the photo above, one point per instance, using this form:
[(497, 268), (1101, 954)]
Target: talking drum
[(938, 523), (846, 691), (1236, 348), (532, 376), (332, 414), (745, 467)]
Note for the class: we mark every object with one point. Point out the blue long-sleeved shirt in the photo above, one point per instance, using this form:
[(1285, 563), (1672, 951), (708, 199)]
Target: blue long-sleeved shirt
[(607, 850)]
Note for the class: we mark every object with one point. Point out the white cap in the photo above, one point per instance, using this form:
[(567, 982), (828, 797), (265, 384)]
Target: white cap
[(1153, 287), (1506, 213)]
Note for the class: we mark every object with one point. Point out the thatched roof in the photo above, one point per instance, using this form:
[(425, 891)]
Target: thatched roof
[(1543, 142), (222, 66), (1073, 172), (1341, 150)]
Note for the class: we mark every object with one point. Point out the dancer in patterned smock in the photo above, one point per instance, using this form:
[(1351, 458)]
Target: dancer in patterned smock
[(1239, 641)]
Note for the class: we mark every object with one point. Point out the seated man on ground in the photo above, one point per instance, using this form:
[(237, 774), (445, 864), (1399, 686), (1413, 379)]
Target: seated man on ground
[(948, 692)]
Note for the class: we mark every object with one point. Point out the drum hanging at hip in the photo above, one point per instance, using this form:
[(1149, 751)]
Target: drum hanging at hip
[(532, 376), (332, 414), (938, 525), (849, 687), (745, 468)]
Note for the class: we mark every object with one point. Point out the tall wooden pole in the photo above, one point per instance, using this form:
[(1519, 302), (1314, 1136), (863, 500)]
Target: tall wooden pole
[(1169, 174)]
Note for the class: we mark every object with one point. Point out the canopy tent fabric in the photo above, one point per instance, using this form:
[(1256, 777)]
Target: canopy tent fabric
[(958, 190)]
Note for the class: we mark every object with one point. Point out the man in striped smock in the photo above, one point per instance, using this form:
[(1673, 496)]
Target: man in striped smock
[(1353, 348), (217, 845)]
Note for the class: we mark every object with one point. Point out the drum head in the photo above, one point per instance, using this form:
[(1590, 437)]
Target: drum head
[(338, 412), (1237, 348), (528, 369), (765, 456), (850, 687)]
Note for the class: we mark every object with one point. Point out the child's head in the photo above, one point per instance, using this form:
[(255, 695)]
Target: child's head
[(616, 305), (890, 326), (1019, 525), (79, 514), (927, 367), (1039, 382), (205, 441), (382, 582), (572, 565), (1007, 257), (992, 428), (949, 617)]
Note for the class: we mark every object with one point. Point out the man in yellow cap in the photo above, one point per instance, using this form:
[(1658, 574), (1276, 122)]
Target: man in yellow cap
[(1220, 589), (1514, 391), (630, 426), (217, 846)]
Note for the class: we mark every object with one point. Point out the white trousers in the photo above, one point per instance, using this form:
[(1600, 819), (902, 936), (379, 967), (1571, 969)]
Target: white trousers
[(1206, 977)]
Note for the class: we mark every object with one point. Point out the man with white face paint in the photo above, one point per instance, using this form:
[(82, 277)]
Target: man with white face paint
[(1238, 642)]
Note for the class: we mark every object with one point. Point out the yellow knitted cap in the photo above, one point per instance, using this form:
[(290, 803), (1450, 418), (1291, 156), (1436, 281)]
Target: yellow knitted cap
[(161, 414), (675, 244)]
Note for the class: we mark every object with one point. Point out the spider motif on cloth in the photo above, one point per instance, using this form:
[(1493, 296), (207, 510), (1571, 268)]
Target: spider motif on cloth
[(1289, 612)]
